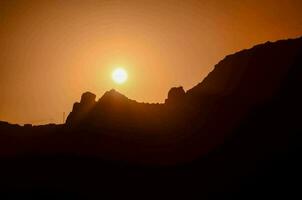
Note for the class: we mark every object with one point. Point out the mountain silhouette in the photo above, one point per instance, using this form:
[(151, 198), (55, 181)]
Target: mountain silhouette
[(236, 132)]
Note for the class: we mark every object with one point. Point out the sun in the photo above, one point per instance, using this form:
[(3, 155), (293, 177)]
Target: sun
[(119, 75)]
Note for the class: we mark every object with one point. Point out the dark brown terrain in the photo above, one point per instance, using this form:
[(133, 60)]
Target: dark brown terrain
[(237, 133)]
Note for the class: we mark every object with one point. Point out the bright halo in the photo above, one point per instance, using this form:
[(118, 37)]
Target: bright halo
[(119, 75)]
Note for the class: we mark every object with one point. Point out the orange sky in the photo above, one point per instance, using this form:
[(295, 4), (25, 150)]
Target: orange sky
[(53, 51)]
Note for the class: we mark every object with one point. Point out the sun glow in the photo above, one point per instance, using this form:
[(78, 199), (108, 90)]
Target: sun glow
[(119, 75)]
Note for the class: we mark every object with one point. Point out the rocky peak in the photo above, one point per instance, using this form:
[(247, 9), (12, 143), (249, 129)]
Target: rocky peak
[(80, 110), (112, 96), (175, 95), (87, 98)]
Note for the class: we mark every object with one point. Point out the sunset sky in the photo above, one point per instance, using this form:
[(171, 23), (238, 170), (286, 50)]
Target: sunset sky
[(53, 51)]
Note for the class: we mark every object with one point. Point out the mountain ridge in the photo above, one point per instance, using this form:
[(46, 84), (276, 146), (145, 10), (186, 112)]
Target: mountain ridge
[(237, 132), (185, 126)]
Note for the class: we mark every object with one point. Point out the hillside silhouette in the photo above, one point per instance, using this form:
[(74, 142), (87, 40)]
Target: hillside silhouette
[(237, 132)]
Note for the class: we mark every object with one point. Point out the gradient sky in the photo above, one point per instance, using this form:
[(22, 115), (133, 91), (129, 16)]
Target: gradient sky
[(53, 51)]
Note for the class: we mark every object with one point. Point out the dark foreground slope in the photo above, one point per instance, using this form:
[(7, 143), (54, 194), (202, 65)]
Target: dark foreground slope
[(238, 132)]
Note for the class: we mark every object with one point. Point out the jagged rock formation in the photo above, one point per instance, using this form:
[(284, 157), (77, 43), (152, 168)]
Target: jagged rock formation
[(238, 84), (176, 95), (80, 110), (187, 122)]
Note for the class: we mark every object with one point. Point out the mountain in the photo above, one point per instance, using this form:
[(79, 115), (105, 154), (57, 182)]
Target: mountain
[(237, 131)]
